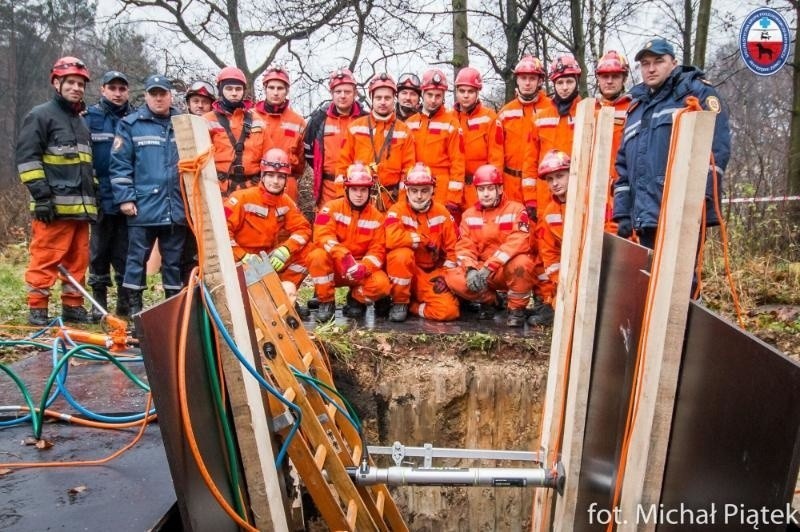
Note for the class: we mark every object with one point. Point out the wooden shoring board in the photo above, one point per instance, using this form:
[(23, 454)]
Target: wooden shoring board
[(580, 371), (670, 285), (566, 298), (249, 412), (271, 287)]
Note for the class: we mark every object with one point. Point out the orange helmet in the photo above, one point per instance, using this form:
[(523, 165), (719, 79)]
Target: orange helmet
[(419, 175), (358, 175), (470, 77), (409, 81), (487, 175), (275, 73), (530, 65), (612, 62), (201, 88), (564, 65), (69, 66), (553, 161), (276, 160), (381, 80), (230, 73), (434, 79), (340, 76)]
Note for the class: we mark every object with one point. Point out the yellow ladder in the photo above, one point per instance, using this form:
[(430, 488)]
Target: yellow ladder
[(327, 443)]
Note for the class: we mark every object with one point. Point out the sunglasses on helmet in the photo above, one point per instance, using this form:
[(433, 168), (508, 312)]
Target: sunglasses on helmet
[(407, 79), (78, 64), (277, 165)]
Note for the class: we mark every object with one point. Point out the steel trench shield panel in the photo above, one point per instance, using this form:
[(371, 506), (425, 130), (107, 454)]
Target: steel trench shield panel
[(622, 291), (159, 343), (734, 442)]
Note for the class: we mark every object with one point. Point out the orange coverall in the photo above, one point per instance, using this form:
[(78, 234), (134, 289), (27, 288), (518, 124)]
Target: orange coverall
[(550, 232), (260, 221), (223, 149), (367, 140), (335, 129), (478, 129), (513, 134), (421, 247), (440, 146), (550, 132), (285, 131), (620, 106), (340, 230), (498, 239)]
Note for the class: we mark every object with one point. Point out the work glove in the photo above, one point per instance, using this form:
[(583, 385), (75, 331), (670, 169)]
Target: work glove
[(251, 258), (530, 208), (357, 273), (454, 209), (624, 228), (279, 257), (44, 211), (477, 280)]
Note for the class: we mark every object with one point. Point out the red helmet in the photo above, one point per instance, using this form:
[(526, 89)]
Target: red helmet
[(340, 76), (358, 175), (434, 79), (487, 175), (409, 81), (381, 80), (69, 66), (275, 73), (530, 65), (276, 160), (564, 65), (201, 88), (470, 77), (553, 161), (230, 73), (612, 62), (420, 175)]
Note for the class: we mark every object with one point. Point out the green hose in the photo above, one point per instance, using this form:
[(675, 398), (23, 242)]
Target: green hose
[(36, 419)]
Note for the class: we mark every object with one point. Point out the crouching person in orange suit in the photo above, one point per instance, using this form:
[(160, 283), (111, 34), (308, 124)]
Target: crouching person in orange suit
[(421, 247), (265, 218), (350, 247), (494, 250)]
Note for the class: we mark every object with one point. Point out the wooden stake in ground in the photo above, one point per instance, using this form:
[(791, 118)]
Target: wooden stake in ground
[(661, 342), (566, 298), (580, 371), (219, 273)]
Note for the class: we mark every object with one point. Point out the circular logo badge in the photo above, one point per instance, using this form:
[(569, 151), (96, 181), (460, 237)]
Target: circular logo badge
[(764, 41)]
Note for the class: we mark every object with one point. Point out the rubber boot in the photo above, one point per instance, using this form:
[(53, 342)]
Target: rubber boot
[(75, 314), (325, 311), (542, 315), (100, 295), (516, 317), (398, 312), (313, 303), (486, 311), (383, 307), (135, 301), (123, 297), (170, 292), (354, 308), (302, 311), (38, 316)]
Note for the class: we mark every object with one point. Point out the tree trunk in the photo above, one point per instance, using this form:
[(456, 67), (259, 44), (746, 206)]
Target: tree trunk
[(793, 184), (688, 15), (579, 43), (460, 32), (512, 48), (701, 34)]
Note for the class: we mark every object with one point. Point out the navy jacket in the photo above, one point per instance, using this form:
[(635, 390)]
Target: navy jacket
[(102, 120), (144, 169), (642, 156)]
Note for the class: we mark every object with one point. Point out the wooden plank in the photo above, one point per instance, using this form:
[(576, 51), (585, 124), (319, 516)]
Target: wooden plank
[(580, 371), (566, 297), (269, 508), (667, 303)]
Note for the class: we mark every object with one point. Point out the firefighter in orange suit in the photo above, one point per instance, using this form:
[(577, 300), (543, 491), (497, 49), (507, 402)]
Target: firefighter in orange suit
[(421, 247), (554, 172), (478, 127), (380, 141), (350, 248), (494, 250), (237, 133), (284, 127), (324, 136), (611, 72), (54, 161), (515, 124), (553, 127), (438, 141)]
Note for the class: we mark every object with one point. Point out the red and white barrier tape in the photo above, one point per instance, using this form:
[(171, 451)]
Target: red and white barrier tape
[(763, 199)]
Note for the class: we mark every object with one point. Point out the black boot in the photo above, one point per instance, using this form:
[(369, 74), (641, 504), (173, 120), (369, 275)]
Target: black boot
[(75, 314), (313, 303), (325, 311), (486, 311), (398, 312), (135, 301), (38, 316), (302, 311), (123, 308), (100, 294), (383, 307), (516, 317), (169, 292), (354, 308), (542, 314)]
